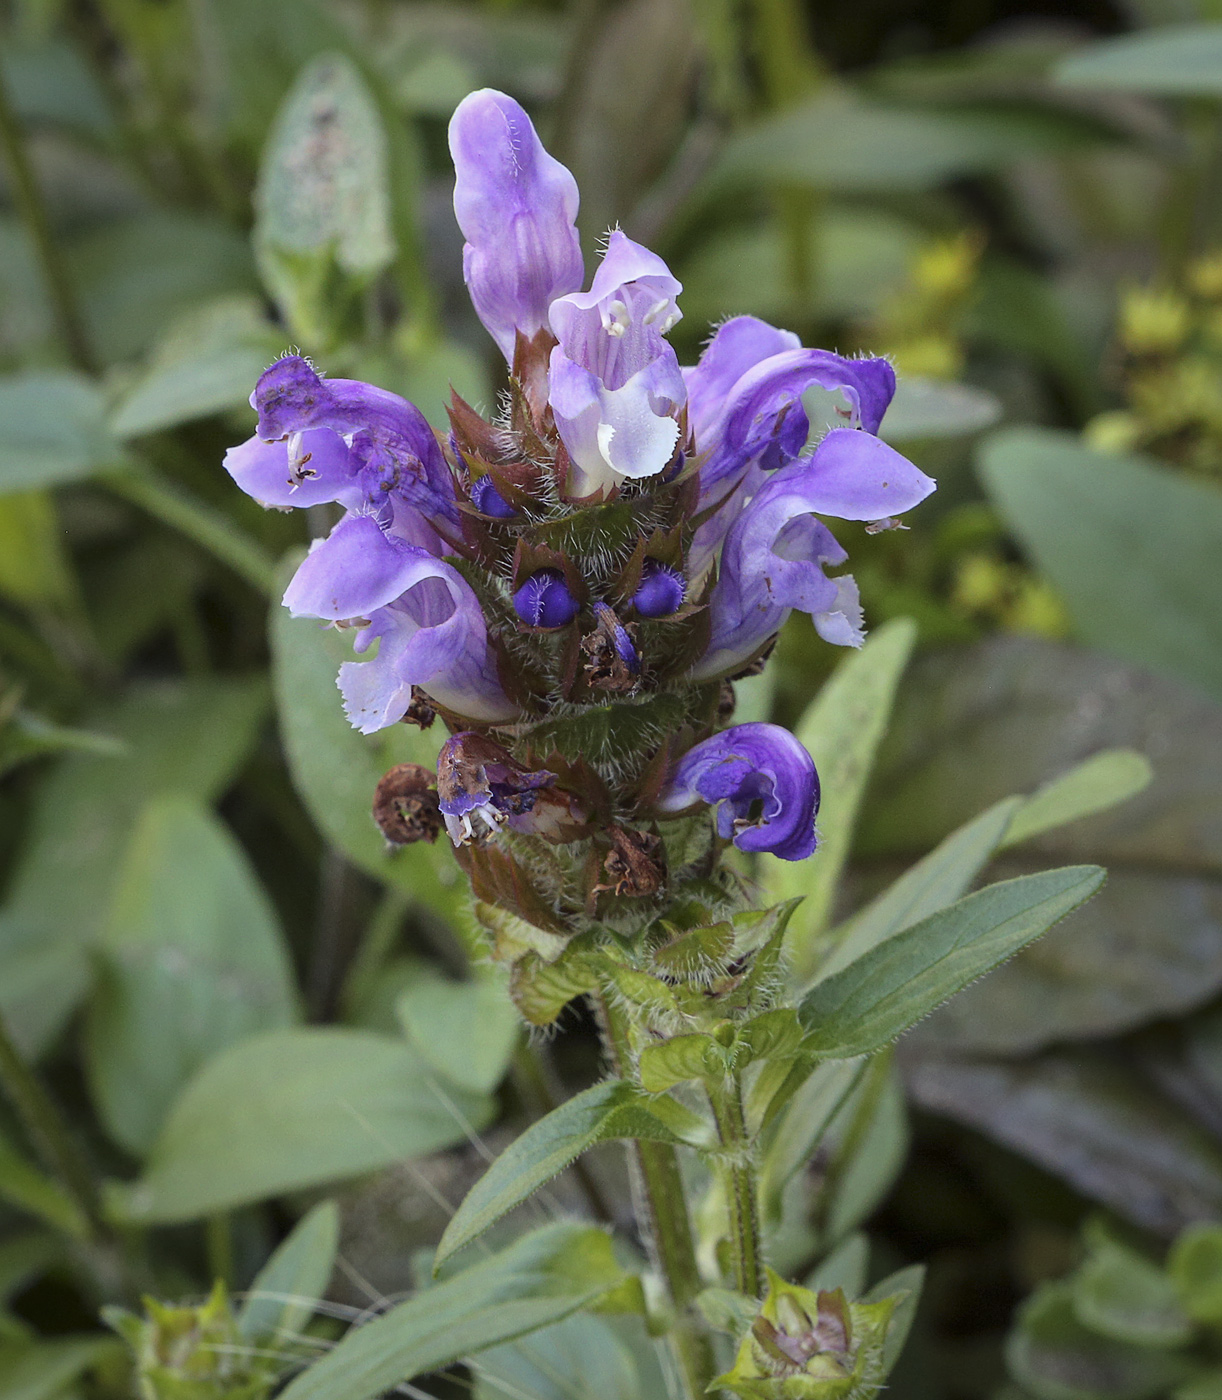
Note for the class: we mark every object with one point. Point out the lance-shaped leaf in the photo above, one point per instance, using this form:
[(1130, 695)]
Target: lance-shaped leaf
[(806, 1119), (841, 730), (890, 988), (282, 1298), (612, 1109), (540, 1279)]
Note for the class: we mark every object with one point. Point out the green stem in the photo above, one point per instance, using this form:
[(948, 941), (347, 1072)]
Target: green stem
[(49, 1134), (662, 1207), (742, 1195), (28, 198), (178, 508)]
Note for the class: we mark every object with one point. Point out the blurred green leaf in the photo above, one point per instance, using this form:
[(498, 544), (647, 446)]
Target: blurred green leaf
[(1195, 1266), (842, 143), (136, 274), (580, 1358), (178, 737), (911, 1281), (208, 360), (287, 1109), (800, 1130), (283, 1296), (612, 1109), (890, 988), (1090, 1120), (192, 961), (841, 729), (1095, 785), (1056, 1358), (847, 1267), (336, 770), (41, 1370), (974, 725), (1118, 1293), (1140, 581), (323, 201), (28, 1189), (23, 1258), (466, 1030), (876, 1153), (1172, 60), (933, 408), (541, 1279), (34, 566), (51, 430), (25, 736), (49, 83)]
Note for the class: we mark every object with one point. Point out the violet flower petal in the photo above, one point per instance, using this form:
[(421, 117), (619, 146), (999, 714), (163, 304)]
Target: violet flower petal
[(351, 573), (660, 591), (545, 600), (764, 785), (737, 346), (516, 207), (394, 452), (308, 469)]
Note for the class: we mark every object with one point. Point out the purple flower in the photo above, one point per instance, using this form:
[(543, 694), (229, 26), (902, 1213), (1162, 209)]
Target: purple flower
[(488, 500), (341, 440), (545, 600), (764, 785), (776, 551), (423, 613), (615, 385), (516, 207), (660, 591), (482, 787)]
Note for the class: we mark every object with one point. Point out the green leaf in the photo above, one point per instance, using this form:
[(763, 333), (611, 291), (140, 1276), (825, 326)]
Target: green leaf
[(878, 997), (27, 1188), (336, 770), (51, 430), (847, 1267), (976, 724), (137, 273), (541, 1279), (580, 1358), (42, 1370), (911, 1282), (677, 1059), (1120, 1294), (295, 1108), (801, 1129), (1054, 1357), (841, 729), (1141, 582), (933, 408), (612, 1109), (23, 1258), (323, 200), (1095, 785), (1173, 60), (193, 961), (934, 882), (1195, 1266), (465, 1030), (282, 1298), (849, 144), (174, 737), (207, 361), (34, 566)]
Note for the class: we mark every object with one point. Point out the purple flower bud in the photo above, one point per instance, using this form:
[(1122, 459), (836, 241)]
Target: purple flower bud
[(481, 787), (488, 500), (764, 785), (545, 600), (617, 634), (516, 207), (660, 591)]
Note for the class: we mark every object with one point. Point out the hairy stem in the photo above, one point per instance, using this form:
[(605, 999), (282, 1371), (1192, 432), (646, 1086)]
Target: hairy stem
[(666, 1224), (30, 204), (742, 1195)]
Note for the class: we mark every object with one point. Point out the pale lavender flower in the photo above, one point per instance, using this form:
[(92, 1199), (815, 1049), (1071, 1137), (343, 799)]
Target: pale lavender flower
[(763, 784), (614, 382)]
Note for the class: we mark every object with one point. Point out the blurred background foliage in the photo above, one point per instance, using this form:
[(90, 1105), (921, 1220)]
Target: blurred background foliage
[(204, 945)]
